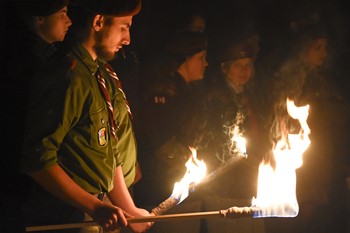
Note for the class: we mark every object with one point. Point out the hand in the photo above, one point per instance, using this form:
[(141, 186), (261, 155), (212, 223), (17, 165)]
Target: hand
[(140, 227), (110, 217)]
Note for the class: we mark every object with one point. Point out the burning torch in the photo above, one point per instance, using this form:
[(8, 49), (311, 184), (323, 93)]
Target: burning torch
[(276, 194)]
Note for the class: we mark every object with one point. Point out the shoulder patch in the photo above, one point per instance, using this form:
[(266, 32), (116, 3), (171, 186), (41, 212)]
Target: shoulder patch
[(159, 99)]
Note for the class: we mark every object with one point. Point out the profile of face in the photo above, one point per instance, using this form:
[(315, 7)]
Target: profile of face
[(315, 53), (239, 72), (112, 36), (193, 68), (54, 27), (197, 24)]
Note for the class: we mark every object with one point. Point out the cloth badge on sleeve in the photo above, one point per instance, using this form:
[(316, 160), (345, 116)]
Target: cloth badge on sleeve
[(102, 136)]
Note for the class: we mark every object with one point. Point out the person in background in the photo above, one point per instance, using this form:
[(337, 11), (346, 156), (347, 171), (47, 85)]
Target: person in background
[(78, 126), (194, 20), (235, 104), (39, 25), (172, 115), (307, 77)]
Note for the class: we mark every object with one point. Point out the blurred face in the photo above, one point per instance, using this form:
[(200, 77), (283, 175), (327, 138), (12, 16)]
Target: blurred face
[(239, 72), (198, 24), (194, 67), (54, 27), (316, 53), (113, 35)]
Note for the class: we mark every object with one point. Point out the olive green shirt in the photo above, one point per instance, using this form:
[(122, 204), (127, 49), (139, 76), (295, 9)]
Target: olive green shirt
[(68, 123)]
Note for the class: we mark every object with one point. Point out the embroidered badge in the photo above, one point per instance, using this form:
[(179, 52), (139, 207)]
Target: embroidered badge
[(102, 136)]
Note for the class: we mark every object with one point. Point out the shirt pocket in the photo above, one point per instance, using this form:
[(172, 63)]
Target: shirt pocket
[(99, 127)]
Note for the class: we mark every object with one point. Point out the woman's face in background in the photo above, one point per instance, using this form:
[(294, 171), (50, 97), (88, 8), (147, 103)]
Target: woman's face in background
[(316, 53), (240, 72)]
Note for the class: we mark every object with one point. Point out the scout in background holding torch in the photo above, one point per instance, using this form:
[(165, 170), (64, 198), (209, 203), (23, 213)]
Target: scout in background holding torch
[(236, 109)]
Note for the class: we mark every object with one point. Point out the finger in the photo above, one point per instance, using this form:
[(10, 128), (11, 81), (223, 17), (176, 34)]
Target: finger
[(116, 222), (121, 218), (126, 214), (108, 225)]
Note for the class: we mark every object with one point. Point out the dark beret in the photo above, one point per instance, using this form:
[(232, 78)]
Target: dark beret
[(40, 7), (237, 50), (112, 7), (187, 44)]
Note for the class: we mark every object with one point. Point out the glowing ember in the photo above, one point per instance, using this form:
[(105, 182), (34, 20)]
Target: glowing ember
[(196, 170), (276, 196)]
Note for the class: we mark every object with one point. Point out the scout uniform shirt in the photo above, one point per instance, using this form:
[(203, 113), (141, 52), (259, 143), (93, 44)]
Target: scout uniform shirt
[(68, 122)]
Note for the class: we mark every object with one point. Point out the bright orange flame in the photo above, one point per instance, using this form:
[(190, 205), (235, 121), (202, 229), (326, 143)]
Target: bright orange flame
[(196, 171), (276, 194)]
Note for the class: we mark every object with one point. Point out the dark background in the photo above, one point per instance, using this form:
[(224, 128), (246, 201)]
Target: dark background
[(154, 25)]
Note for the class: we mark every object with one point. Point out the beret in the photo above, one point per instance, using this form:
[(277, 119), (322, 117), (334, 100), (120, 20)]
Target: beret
[(187, 43), (41, 7), (237, 50), (118, 8)]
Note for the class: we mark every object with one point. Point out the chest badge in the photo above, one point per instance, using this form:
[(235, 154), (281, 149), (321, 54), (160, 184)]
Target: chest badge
[(102, 136)]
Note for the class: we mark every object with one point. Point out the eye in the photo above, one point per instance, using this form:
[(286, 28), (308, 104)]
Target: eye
[(124, 29), (237, 65)]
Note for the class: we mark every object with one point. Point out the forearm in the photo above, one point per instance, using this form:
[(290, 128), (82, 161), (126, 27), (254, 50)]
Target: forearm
[(120, 195), (56, 181)]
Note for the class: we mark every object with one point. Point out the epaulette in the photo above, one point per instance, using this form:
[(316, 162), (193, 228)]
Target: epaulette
[(70, 62), (166, 87), (162, 91)]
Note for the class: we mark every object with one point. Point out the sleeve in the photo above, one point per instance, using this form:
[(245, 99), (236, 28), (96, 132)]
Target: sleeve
[(55, 104), (161, 110)]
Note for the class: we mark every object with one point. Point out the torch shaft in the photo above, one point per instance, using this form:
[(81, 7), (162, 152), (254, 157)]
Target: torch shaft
[(231, 212), (167, 217)]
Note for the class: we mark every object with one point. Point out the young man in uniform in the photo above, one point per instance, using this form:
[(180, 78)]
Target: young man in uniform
[(78, 112)]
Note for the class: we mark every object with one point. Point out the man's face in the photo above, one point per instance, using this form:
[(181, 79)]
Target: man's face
[(196, 65), (54, 27), (112, 37)]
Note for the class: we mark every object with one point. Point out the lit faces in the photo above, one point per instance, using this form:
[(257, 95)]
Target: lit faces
[(195, 66), (316, 53), (240, 72), (112, 37), (54, 27)]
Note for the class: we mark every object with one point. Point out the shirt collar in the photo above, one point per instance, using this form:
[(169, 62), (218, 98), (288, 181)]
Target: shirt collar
[(87, 59)]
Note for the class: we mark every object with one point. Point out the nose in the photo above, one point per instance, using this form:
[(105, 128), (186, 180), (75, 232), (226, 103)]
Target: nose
[(69, 22), (126, 39), (205, 62)]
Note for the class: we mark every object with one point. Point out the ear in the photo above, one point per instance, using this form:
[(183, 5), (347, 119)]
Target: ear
[(98, 22), (38, 20), (223, 68)]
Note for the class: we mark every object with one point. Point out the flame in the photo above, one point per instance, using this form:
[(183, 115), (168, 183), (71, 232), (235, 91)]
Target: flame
[(276, 194), (236, 145), (237, 139), (196, 171)]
